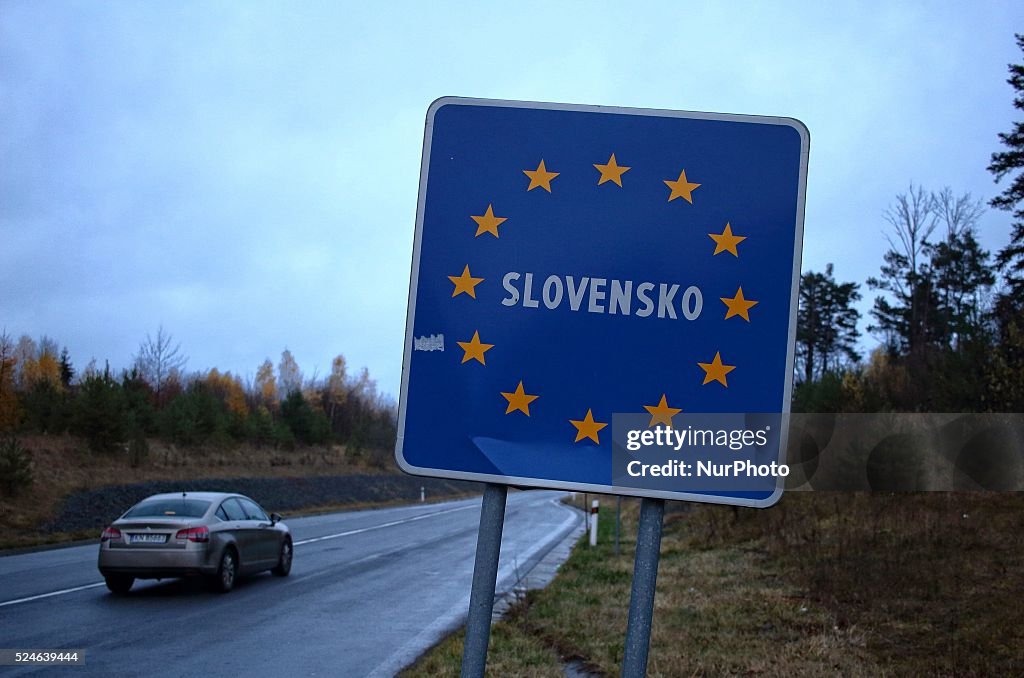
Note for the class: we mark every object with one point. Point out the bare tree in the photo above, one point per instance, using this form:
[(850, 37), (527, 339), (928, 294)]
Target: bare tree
[(289, 376), (958, 213), (337, 394), (913, 218), (159, 359), (25, 361)]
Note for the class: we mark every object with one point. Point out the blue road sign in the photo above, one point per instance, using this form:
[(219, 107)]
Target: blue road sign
[(574, 262)]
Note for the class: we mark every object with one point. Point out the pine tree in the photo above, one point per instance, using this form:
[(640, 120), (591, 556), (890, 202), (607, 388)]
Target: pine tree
[(100, 415), (15, 467), (826, 323), (1006, 374), (962, 273), (138, 401), (962, 277), (308, 425), (67, 372), (909, 318), (1004, 163)]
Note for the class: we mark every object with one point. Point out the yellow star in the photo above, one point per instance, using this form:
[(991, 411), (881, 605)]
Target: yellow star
[(465, 283), (738, 306), (488, 223), (681, 188), (540, 177), (716, 371), (519, 400), (587, 428), (474, 349), (662, 413), (726, 241), (611, 172)]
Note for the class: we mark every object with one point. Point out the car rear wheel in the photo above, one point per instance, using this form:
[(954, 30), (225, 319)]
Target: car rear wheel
[(224, 580), (119, 583), (284, 562)]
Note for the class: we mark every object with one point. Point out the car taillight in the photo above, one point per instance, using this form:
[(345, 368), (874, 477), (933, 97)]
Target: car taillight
[(111, 534), (194, 534)]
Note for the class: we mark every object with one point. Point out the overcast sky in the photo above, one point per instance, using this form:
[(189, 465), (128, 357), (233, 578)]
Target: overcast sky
[(245, 174)]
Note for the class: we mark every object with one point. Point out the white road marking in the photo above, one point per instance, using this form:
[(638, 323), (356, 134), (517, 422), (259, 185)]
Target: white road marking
[(349, 533), (298, 543), (51, 593)]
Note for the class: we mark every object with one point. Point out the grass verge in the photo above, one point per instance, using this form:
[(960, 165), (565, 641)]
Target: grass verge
[(822, 584)]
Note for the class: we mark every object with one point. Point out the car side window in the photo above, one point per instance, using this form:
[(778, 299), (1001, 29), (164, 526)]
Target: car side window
[(221, 513), (253, 511), (233, 509)]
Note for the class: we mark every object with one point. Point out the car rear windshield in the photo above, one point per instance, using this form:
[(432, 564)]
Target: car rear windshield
[(178, 508)]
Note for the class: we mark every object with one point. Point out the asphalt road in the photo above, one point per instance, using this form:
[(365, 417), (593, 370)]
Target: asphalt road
[(369, 591)]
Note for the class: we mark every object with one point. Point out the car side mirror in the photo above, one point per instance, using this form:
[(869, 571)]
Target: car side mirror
[(275, 518)]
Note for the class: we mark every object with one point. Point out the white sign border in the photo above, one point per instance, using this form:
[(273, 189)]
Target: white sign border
[(540, 483)]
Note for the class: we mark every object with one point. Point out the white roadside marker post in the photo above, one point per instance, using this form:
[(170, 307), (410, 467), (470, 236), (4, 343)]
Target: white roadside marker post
[(593, 523), (423, 494)]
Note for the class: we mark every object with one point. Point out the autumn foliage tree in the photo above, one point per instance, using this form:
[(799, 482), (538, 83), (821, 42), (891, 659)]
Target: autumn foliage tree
[(266, 385), (43, 398), (10, 412), (155, 398)]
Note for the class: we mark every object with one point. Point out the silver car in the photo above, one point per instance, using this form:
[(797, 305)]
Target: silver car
[(214, 534)]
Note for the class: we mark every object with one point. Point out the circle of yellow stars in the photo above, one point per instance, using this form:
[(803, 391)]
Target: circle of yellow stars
[(610, 172)]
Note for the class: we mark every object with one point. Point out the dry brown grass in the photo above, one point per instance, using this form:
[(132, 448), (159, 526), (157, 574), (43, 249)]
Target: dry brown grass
[(933, 579), (822, 584), (512, 654), (63, 465)]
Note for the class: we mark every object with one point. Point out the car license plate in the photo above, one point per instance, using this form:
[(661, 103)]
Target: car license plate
[(149, 538)]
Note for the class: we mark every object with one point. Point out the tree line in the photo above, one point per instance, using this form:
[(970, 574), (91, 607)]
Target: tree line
[(949, 317), (41, 392)]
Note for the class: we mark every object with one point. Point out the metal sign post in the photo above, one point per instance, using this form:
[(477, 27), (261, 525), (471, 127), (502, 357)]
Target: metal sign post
[(602, 300), (645, 578), (485, 574)]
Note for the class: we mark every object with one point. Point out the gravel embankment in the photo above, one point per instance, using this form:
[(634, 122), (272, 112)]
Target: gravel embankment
[(98, 508)]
